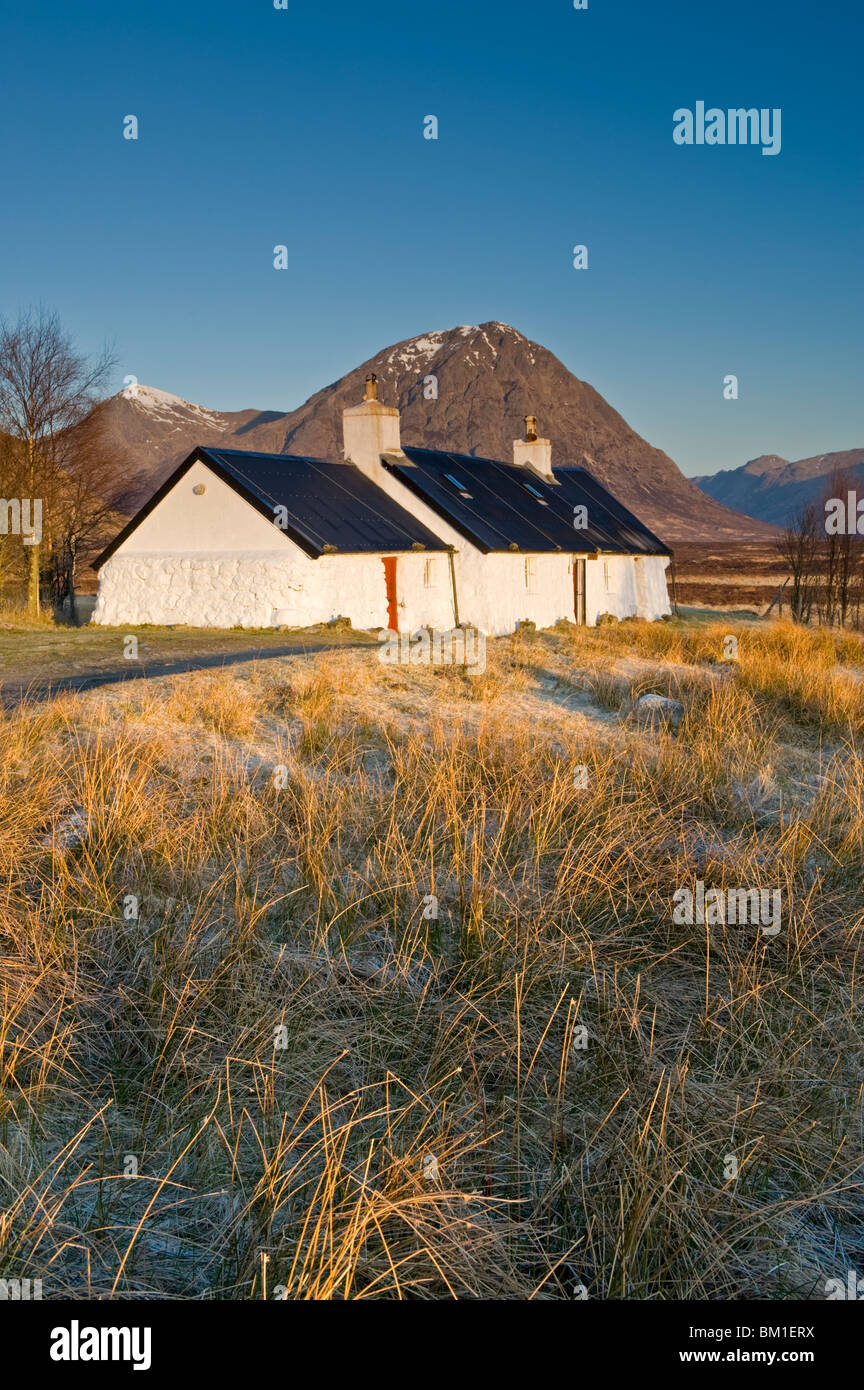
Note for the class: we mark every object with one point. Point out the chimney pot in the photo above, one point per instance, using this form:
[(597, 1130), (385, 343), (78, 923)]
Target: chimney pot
[(534, 452), (369, 430)]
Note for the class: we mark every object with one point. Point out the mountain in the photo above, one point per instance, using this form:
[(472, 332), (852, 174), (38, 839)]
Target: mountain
[(772, 489), (151, 431), (488, 379)]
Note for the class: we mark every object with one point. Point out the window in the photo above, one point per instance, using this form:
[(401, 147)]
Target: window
[(460, 487), (606, 574), (429, 579), (531, 574), (535, 493)]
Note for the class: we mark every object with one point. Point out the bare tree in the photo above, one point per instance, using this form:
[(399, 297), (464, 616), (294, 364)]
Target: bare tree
[(86, 503), (47, 388), (11, 476), (799, 548), (842, 548), (856, 582)]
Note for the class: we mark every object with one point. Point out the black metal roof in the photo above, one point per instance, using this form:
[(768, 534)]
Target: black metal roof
[(329, 506), (631, 535), (501, 506)]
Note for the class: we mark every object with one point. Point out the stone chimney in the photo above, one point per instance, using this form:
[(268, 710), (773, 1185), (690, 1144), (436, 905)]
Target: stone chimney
[(369, 430), (535, 452)]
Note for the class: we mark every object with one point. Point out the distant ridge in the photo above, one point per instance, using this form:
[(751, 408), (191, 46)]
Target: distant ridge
[(772, 489)]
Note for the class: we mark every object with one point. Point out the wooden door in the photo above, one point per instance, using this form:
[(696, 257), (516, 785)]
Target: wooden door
[(579, 590), (389, 563), (642, 605)]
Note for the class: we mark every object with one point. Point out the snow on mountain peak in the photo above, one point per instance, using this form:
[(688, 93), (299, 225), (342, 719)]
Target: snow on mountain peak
[(423, 348), (150, 397), (163, 405), (410, 354)]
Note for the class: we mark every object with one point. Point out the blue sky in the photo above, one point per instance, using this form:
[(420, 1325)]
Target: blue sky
[(304, 127)]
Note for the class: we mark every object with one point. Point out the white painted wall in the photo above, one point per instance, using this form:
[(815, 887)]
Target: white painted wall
[(261, 589), (626, 586), (218, 521), (494, 596)]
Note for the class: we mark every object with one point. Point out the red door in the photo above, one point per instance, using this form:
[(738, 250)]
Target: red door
[(389, 563)]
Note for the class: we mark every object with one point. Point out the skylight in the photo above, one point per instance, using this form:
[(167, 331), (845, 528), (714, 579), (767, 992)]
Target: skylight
[(460, 487), (535, 493)]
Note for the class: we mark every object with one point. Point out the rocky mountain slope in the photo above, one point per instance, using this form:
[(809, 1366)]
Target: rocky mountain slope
[(772, 489), (487, 378), (151, 431)]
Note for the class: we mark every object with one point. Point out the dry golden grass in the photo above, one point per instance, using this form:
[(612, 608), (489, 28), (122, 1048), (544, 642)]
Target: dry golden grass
[(17, 618), (287, 1077)]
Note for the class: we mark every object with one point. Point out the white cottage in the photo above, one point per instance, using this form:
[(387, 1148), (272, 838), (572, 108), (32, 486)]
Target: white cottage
[(391, 537)]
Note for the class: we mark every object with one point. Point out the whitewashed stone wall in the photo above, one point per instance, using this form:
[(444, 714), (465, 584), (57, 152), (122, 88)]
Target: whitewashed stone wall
[(498, 591), (269, 590), (637, 587), (494, 594), (285, 588)]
